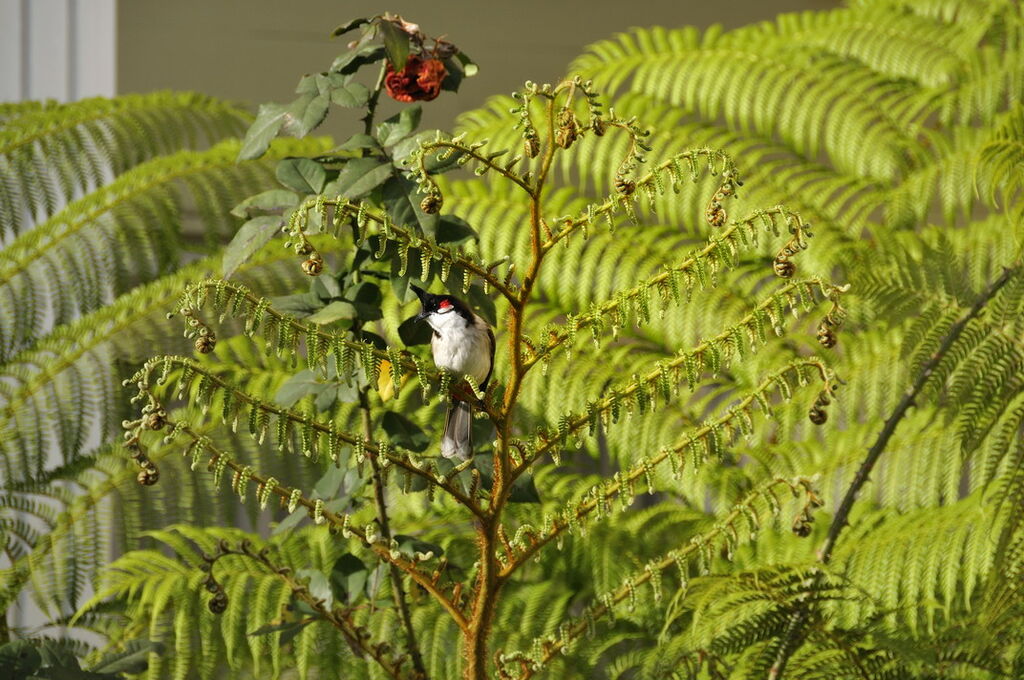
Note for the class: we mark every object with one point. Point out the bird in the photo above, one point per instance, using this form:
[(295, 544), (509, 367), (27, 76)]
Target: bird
[(462, 343)]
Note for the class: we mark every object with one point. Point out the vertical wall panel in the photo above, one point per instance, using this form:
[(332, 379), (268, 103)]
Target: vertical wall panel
[(10, 50), (48, 49), (94, 57), (57, 49)]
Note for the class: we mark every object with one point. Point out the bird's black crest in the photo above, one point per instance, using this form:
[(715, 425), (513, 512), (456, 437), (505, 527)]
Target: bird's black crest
[(432, 303)]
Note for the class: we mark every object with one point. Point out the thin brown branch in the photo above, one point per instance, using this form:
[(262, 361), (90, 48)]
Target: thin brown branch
[(608, 307), (612, 490), (397, 233), (216, 456), (551, 647), (354, 634), (397, 587), (647, 181), (322, 428), (470, 150), (401, 600), (651, 378)]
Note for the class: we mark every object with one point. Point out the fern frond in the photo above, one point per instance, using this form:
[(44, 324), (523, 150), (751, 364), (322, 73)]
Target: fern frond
[(717, 79), (893, 561), (51, 153), (57, 394), (125, 233)]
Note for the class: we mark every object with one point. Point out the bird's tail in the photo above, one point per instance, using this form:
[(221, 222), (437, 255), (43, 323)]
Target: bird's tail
[(457, 441)]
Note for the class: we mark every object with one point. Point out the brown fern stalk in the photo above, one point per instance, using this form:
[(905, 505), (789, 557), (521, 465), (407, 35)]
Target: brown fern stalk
[(791, 640)]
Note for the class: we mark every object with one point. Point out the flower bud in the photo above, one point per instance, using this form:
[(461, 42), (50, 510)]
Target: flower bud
[(313, 266)]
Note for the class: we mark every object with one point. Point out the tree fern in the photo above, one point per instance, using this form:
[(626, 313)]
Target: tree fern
[(663, 391)]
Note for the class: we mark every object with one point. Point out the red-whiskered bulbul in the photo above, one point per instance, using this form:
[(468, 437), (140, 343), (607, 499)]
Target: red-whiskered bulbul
[(463, 343)]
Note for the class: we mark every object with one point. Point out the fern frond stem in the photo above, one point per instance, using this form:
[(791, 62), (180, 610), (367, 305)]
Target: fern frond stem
[(285, 494), (144, 376), (69, 343), (96, 109), (639, 471), (646, 182), (552, 646), (604, 405), (469, 150), (393, 232), (401, 601), (489, 583), (791, 638), (356, 635), (28, 130), (715, 244), (196, 295)]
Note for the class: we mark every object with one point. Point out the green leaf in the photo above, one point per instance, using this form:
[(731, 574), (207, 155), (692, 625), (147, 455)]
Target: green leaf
[(302, 174), (305, 114), (453, 230), (396, 42), (19, 659), (351, 95), (308, 85), (348, 578), (366, 297), (318, 586), (274, 200), (288, 629), (133, 659), (399, 126), (290, 522), (300, 385), (358, 142), (335, 311), (263, 130), (360, 176), (403, 432), (299, 305), (349, 26), (402, 201), (250, 237), (414, 332), (327, 288), (353, 60), (333, 86), (468, 66), (524, 490), (59, 661), (327, 486)]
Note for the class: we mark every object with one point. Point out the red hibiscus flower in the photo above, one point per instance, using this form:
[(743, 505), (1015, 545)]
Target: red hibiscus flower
[(420, 80)]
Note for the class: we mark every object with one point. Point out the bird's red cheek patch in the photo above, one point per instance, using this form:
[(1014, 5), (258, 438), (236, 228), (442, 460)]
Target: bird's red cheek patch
[(444, 304)]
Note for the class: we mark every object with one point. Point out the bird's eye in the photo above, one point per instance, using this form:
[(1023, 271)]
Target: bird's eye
[(444, 304)]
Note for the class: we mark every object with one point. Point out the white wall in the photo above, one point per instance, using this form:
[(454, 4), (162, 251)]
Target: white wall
[(57, 49)]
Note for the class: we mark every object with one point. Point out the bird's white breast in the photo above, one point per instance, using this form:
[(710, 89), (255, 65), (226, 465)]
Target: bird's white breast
[(461, 348)]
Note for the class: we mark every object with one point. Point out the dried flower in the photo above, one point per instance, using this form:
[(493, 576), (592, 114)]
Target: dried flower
[(420, 80)]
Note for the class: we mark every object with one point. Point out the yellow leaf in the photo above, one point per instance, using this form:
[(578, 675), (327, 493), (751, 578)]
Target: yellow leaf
[(385, 386)]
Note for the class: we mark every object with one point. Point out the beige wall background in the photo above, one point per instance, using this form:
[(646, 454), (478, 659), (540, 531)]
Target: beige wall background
[(256, 50)]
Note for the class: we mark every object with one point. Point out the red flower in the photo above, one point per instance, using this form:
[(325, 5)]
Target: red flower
[(420, 80)]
